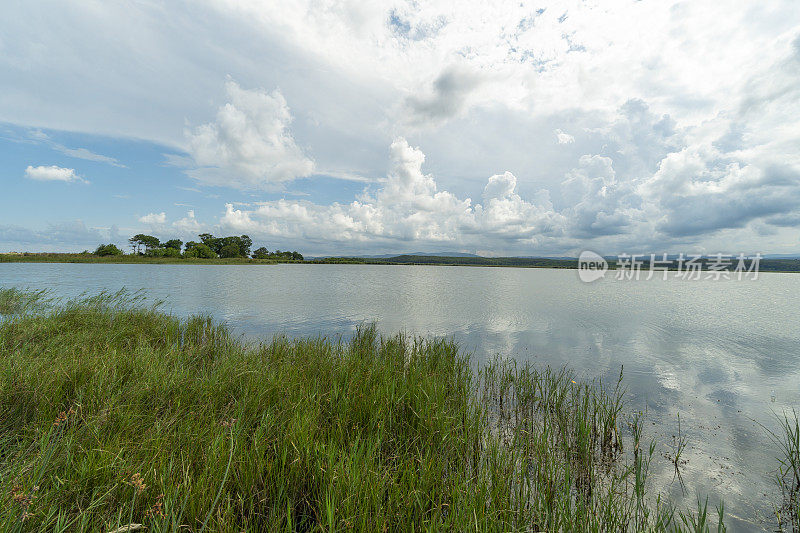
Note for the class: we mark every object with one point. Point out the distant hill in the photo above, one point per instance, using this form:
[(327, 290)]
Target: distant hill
[(425, 254), (388, 256), (766, 265), (466, 260)]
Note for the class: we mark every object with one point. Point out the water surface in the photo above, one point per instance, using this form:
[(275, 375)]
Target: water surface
[(712, 352)]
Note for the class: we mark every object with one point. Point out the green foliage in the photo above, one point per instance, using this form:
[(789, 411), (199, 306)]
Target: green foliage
[(163, 252), (228, 246), (199, 250), (115, 414), (175, 244), (14, 301), (230, 250), (139, 241), (261, 253), (210, 247), (245, 243), (107, 249)]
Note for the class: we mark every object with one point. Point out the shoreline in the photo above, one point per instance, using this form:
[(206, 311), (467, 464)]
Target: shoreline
[(784, 266)]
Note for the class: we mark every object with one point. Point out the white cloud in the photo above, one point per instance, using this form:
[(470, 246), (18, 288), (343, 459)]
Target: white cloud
[(52, 173), (188, 225), (409, 208), (154, 218), (683, 199), (84, 153), (564, 138), (78, 153), (665, 136), (249, 145)]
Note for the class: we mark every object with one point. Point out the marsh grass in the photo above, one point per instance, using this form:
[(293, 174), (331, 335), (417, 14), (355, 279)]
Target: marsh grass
[(788, 473), (114, 416), (14, 301)]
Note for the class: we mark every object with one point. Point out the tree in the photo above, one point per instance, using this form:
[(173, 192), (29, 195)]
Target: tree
[(204, 252), (242, 245), (151, 242), (245, 243), (174, 244), (135, 243), (209, 240), (230, 250), (107, 249), (148, 241), (261, 253), (200, 250)]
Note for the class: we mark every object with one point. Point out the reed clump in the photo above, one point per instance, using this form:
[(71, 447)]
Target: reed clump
[(116, 416)]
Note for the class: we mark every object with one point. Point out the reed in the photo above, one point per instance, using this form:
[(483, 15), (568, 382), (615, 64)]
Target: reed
[(788, 472)]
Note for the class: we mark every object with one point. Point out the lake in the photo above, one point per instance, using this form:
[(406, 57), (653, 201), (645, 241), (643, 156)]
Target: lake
[(711, 351)]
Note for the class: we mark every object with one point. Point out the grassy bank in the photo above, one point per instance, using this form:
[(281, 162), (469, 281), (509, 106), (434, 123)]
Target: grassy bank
[(766, 265), (131, 259), (113, 414)]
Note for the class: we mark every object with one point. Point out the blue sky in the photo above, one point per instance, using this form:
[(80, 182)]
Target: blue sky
[(118, 182), (335, 127)]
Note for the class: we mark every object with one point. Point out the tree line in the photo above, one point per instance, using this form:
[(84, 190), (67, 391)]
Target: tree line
[(209, 247)]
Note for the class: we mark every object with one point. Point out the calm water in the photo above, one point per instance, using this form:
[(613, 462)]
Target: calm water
[(711, 351)]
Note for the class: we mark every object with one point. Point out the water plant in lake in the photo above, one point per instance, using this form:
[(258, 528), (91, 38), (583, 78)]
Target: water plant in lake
[(788, 474)]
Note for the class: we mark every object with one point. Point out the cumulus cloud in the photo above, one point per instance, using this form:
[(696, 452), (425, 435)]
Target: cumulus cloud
[(154, 218), (564, 138), (408, 208), (664, 136), (249, 145), (693, 192), (52, 173), (188, 224), (598, 203), (187, 227), (699, 190)]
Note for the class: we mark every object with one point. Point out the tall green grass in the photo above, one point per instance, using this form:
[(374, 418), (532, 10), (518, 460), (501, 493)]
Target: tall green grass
[(115, 415), (788, 474), (14, 302)]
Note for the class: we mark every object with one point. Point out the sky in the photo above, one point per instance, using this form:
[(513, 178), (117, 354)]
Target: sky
[(356, 128)]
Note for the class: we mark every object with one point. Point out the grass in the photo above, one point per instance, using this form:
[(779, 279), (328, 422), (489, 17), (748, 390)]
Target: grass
[(788, 475), (114, 415), (132, 259), (765, 265)]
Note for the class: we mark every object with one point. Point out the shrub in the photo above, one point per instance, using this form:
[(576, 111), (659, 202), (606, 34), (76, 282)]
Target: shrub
[(261, 253), (230, 250), (199, 250), (107, 249)]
